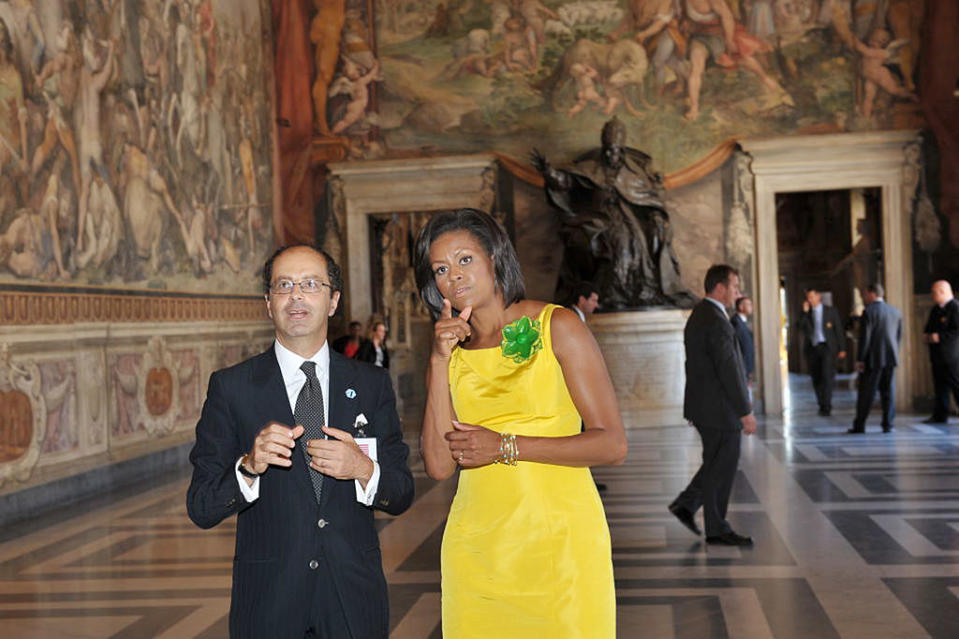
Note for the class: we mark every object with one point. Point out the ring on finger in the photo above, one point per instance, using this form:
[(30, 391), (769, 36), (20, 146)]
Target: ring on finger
[(460, 458)]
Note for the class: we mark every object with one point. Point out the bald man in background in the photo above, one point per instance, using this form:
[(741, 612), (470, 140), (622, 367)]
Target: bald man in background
[(942, 335)]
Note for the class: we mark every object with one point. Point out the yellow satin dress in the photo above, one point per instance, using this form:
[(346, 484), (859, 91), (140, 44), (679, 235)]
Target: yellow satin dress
[(526, 551)]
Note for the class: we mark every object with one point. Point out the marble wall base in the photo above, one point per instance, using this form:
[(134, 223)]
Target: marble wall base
[(81, 397), (646, 361)]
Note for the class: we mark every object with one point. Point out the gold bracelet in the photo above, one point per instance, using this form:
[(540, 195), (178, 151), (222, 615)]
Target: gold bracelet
[(508, 450)]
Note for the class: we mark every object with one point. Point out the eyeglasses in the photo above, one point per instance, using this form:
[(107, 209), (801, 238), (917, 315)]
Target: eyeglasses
[(310, 286)]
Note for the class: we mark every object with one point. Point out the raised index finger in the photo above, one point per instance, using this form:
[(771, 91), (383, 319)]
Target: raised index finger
[(447, 311)]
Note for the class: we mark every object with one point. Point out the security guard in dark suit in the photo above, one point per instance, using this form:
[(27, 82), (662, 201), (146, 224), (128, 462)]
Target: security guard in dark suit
[(823, 341), (942, 335), (880, 331)]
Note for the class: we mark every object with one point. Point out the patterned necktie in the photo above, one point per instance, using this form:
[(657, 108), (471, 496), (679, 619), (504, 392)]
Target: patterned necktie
[(309, 413)]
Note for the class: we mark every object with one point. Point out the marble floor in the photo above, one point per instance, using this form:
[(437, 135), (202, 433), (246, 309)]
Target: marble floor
[(856, 537)]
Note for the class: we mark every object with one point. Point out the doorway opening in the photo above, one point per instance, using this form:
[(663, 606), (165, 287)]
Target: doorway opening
[(830, 241)]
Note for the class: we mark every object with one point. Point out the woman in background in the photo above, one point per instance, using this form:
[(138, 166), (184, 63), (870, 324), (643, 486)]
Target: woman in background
[(373, 350)]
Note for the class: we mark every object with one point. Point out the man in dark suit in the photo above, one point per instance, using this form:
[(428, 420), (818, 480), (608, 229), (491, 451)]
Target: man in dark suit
[(585, 300), (942, 335), (275, 445), (717, 404), (823, 340), (880, 331), (744, 334)]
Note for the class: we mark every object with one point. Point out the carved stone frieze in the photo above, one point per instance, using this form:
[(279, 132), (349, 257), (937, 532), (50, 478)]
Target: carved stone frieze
[(739, 230), (64, 307)]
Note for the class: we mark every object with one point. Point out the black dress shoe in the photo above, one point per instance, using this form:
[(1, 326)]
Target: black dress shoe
[(887, 428), (685, 518), (935, 420), (730, 539), (856, 431)]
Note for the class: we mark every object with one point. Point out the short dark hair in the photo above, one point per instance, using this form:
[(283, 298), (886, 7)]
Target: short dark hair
[(355, 323), (718, 274), (584, 290), (876, 289), (740, 300), (810, 289), (489, 233), (332, 268)]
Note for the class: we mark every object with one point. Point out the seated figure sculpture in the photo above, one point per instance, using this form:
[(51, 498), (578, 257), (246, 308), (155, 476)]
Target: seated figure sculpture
[(615, 226)]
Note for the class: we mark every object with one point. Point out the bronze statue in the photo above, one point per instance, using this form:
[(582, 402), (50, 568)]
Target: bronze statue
[(615, 226)]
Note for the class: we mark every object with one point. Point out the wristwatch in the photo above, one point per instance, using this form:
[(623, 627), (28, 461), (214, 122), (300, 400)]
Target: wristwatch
[(244, 470)]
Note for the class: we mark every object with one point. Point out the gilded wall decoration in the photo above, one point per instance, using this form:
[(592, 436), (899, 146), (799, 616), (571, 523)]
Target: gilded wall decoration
[(135, 143)]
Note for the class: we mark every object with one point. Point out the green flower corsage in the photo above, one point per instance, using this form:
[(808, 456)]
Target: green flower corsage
[(521, 339)]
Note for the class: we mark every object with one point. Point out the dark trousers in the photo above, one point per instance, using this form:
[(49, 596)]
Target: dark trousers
[(947, 381), (712, 484), (822, 369), (882, 379)]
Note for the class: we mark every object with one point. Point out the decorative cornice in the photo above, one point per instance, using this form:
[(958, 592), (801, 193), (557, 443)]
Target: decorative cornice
[(30, 307)]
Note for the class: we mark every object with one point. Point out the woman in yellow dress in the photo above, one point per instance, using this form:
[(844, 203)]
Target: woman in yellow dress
[(526, 551)]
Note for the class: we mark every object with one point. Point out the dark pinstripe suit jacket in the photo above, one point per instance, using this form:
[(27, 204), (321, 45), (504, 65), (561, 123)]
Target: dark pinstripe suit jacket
[(278, 536)]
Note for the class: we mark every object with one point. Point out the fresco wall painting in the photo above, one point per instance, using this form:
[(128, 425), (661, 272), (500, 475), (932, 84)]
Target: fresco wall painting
[(136, 189)]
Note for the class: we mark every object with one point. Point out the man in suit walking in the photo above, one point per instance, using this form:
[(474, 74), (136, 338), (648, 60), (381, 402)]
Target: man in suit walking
[(717, 405), (277, 445), (823, 340), (744, 335), (942, 335), (880, 331)]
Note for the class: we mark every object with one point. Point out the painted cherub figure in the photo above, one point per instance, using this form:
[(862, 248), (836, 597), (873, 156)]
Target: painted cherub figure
[(585, 77), (356, 85), (875, 75)]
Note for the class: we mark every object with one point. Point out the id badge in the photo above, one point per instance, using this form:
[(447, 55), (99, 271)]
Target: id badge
[(368, 446)]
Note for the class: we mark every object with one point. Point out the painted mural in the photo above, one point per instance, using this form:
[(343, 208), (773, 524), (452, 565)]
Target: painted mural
[(684, 75), (134, 146)]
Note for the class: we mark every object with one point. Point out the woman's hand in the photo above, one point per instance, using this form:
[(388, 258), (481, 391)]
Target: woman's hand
[(472, 446), (450, 331)]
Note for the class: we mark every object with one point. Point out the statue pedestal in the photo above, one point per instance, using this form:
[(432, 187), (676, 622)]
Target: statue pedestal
[(646, 360)]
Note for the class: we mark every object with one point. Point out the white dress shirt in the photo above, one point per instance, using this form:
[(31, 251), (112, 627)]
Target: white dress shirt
[(294, 379), (582, 315), (818, 336)]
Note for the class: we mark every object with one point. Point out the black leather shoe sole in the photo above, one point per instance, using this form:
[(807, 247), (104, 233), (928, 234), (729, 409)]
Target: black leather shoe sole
[(730, 539), (685, 518)]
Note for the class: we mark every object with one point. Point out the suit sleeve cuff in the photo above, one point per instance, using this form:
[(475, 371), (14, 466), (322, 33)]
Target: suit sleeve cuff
[(365, 497), (250, 493)]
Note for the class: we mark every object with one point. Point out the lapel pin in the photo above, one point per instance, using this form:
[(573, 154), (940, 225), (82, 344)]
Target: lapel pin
[(350, 393)]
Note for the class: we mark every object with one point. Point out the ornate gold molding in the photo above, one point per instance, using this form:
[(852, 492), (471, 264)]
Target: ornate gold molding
[(31, 307)]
